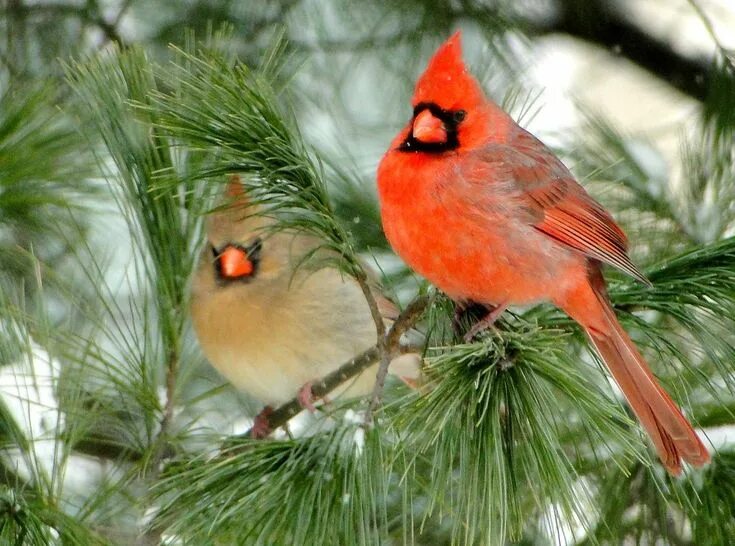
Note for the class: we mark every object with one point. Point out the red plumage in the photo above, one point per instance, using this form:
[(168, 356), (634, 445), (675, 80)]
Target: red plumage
[(486, 212)]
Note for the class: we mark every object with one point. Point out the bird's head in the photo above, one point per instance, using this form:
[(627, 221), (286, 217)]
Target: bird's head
[(243, 247), (234, 237), (449, 106)]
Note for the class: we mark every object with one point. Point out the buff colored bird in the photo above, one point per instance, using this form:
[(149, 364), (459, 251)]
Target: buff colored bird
[(489, 214), (269, 330)]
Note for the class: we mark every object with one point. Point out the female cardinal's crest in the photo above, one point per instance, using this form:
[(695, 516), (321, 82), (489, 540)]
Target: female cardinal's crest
[(446, 80), (235, 190), (235, 194), (232, 209)]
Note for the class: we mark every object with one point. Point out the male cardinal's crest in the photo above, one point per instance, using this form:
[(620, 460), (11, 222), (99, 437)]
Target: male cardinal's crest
[(446, 81)]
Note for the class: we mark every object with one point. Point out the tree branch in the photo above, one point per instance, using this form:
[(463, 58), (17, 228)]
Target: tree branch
[(172, 367), (390, 346), (362, 280), (319, 389), (726, 54), (354, 366), (151, 536), (601, 23)]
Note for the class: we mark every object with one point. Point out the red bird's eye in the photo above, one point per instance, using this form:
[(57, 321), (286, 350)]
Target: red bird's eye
[(234, 263)]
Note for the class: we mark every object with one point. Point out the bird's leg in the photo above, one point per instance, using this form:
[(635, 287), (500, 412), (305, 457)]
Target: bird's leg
[(485, 322), (459, 308), (470, 309), (261, 424), (306, 397)]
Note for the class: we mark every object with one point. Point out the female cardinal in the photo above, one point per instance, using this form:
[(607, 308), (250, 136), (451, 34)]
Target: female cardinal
[(271, 328), (487, 213)]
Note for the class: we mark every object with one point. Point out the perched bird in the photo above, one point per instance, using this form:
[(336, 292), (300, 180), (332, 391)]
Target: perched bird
[(271, 328), (486, 212)]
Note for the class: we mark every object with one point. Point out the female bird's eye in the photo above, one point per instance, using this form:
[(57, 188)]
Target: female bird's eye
[(459, 115)]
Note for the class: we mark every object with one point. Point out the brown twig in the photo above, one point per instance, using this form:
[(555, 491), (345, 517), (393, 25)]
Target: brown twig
[(328, 383), (362, 280), (172, 367), (107, 448), (354, 366), (391, 347)]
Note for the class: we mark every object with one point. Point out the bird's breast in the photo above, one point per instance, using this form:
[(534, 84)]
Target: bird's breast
[(271, 340), (469, 247)]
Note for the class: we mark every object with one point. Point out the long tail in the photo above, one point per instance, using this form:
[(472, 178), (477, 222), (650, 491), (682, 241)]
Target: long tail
[(671, 433)]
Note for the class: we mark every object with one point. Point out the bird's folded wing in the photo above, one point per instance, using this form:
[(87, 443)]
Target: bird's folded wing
[(557, 205)]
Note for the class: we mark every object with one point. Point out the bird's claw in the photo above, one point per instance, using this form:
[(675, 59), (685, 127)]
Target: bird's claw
[(484, 323), (261, 424), (306, 397)]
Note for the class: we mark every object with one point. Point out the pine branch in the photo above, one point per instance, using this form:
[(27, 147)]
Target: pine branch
[(512, 433), (32, 509), (713, 521), (329, 488), (232, 111), (485, 427), (45, 181), (163, 228), (601, 152), (390, 345)]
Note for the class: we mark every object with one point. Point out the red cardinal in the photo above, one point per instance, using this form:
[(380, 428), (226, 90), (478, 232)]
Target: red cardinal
[(486, 212)]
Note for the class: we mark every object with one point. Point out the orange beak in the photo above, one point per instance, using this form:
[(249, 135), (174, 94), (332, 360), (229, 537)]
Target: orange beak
[(235, 263), (428, 128)]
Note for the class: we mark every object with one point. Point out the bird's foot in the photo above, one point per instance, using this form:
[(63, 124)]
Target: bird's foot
[(306, 397), (485, 323), (467, 311), (261, 424)]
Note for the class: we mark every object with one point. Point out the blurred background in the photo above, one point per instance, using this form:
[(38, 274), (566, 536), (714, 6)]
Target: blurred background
[(637, 96), (645, 66)]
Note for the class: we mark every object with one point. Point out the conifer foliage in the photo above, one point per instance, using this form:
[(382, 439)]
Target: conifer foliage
[(518, 437)]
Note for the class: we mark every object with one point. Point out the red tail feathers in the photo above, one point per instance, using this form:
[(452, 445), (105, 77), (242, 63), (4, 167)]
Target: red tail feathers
[(671, 433)]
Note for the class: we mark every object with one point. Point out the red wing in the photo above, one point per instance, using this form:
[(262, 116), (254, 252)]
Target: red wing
[(558, 205), (580, 222)]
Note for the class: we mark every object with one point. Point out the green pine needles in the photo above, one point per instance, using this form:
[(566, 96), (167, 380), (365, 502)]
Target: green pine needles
[(330, 488), (516, 438)]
